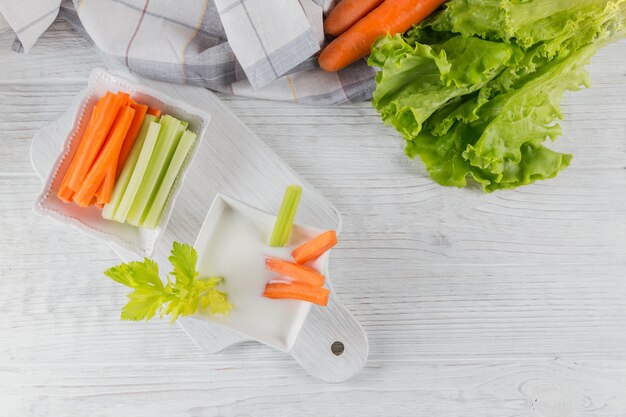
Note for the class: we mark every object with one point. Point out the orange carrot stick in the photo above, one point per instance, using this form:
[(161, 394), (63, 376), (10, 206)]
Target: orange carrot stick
[(105, 190), (107, 158), (392, 16), (99, 193), (65, 193), (105, 102), (297, 291), (131, 136), (346, 14), (94, 141), (94, 202), (296, 272), (315, 247), (154, 112), (108, 184)]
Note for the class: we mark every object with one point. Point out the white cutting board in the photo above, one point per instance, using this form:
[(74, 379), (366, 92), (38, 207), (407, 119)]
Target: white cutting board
[(233, 161)]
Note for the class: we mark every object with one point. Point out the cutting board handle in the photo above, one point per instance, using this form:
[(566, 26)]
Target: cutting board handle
[(331, 346)]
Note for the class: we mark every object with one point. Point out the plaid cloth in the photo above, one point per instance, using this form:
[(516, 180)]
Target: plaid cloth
[(257, 48), (28, 18), (3, 23)]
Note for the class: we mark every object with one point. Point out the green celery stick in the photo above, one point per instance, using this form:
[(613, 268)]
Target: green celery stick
[(108, 212), (138, 172), (286, 216), (163, 151), (179, 134), (158, 204)]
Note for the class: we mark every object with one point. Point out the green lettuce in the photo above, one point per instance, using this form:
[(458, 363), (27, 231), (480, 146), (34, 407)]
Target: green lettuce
[(476, 89)]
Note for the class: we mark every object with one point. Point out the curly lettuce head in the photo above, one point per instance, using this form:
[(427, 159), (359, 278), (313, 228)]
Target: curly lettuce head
[(476, 89)]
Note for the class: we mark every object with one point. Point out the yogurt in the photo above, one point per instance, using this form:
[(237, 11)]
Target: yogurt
[(233, 244)]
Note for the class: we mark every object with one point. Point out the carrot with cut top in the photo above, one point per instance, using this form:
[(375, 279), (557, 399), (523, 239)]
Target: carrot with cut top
[(107, 158), (98, 194), (392, 16), (315, 247), (65, 194), (106, 187), (154, 112), (297, 291), (346, 14), (131, 136), (94, 141), (296, 272)]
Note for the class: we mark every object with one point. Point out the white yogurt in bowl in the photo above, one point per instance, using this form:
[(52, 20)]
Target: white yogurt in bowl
[(233, 244)]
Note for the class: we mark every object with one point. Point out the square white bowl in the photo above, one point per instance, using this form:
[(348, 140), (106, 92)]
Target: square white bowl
[(232, 246), (88, 219)]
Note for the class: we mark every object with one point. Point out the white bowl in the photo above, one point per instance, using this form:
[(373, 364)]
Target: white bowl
[(232, 244), (88, 219)]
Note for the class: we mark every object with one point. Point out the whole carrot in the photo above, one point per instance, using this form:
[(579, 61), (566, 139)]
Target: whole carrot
[(392, 16), (346, 14)]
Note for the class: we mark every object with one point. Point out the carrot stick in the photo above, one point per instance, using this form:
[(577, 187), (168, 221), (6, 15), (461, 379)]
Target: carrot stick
[(106, 187), (154, 112), (94, 202), (94, 141), (97, 195), (315, 247), (296, 272), (346, 14), (131, 136), (392, 16), (107, 158), (65, 193), (297, 291)]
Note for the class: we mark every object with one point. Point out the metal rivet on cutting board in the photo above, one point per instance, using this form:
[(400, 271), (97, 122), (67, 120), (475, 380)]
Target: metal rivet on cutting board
[(337, 348)]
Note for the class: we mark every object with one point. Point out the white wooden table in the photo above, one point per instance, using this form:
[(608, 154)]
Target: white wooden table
[(508, 304)]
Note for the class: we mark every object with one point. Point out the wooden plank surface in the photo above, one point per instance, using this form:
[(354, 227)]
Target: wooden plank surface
[(508, 304), (545, 388)]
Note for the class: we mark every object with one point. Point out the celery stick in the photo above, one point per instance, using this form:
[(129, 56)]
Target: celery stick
[(108, 211), (170, 134), (138, 172), (182, 128), (157, 206), (286, 216)]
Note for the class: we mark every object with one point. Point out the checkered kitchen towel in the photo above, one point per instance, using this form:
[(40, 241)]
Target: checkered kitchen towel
[(257, 48)]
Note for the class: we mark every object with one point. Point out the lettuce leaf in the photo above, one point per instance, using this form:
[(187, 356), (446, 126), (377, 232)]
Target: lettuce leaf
[(475, 90)]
